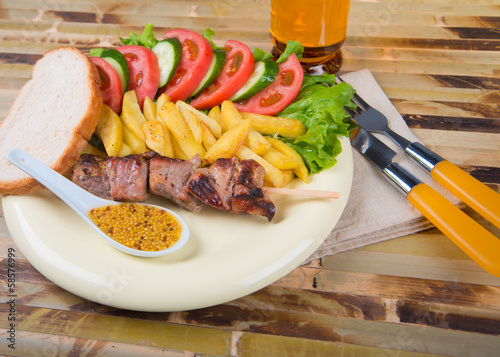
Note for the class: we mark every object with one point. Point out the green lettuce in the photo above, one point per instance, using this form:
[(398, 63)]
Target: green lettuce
[(146, 39), (322, 113), (291, 47)]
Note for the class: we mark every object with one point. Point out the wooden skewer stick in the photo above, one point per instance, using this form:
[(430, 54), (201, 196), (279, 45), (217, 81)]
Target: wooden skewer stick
[(306, 193)]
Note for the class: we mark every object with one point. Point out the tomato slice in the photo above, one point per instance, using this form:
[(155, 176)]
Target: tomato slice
[(144, 71), (111, 86), (280, 93), (195, 61), (237, 69)]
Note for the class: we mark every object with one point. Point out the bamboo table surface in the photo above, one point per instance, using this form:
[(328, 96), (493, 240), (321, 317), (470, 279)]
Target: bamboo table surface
[(419, 295)]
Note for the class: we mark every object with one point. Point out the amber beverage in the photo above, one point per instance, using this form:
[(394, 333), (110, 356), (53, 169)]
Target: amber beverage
[(320, 25)]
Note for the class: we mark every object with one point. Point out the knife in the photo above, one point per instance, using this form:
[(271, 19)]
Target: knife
[(476, 241)]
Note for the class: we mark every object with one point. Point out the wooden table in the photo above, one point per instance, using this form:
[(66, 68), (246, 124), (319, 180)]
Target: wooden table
[(439, 63)]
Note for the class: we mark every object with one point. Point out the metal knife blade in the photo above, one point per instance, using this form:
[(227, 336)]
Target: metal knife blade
[(381, 155)]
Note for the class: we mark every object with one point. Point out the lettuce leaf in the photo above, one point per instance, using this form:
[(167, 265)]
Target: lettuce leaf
[(322, 113), (261, 55), (208, 36), (146, 39), (291, 47)]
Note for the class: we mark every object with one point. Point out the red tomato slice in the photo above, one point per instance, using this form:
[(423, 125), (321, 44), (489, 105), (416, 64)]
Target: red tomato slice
[(275, 97), (111, 86), (195, 61), (235, 72), (144, 71)]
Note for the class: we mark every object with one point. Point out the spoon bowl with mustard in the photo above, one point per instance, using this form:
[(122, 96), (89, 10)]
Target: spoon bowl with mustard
[(138, 229)]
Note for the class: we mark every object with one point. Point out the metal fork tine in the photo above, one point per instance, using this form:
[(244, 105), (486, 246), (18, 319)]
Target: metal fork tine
[(351, 112), (357, 99)]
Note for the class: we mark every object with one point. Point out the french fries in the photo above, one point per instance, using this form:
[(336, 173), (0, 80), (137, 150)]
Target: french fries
[(280, 160), (149, 109), (154, 137), (268, 125), (137, 145), (273, 175), (301, 170), (191, 120), (229, 143), (178, 130), (212, 124), (109, 130), (231, 116), (131, 114)]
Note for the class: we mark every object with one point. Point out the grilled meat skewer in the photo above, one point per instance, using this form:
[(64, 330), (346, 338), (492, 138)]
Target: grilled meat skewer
[(229, 184)]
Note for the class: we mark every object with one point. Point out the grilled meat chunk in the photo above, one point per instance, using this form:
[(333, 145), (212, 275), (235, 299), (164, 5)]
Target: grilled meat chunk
[(168, 178), (128, 178), (214, 186), (118, 179), (90, 174), (233, 186), (248, 196)]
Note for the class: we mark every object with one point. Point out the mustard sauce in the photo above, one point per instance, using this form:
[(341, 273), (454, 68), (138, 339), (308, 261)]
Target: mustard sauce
[(137, 226)]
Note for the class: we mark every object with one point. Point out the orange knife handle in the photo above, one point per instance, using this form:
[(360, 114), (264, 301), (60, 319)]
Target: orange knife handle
[(474, 193), (477, 242)]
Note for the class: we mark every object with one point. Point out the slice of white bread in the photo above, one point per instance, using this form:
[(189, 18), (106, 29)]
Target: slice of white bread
[(52, 118)]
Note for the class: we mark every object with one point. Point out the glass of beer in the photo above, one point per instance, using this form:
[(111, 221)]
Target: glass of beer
[(320, 25)]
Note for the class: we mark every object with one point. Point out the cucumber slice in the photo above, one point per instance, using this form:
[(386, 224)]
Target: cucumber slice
[(263, 75), (118, 62), (218, 60), (169, 53)]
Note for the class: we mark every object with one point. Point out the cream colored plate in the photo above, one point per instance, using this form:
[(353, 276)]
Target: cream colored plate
[(227, 257)]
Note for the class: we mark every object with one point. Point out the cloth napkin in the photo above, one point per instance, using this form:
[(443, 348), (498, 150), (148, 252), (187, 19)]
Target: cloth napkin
[(377, 210)]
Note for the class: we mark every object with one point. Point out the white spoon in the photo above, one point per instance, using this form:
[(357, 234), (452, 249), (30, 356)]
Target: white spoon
[(82, 201)]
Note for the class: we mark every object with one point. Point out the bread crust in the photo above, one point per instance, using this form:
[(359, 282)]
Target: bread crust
[(81, 132)]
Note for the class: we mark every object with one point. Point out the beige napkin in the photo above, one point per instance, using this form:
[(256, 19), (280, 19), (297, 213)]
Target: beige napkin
[(377, 210)]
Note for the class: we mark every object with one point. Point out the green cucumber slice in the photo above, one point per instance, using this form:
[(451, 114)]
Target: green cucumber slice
[(263, 75), (169, 53), (117, 61), (218, 60)]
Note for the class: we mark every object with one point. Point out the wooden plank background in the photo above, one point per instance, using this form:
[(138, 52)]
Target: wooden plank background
[(439, 63)]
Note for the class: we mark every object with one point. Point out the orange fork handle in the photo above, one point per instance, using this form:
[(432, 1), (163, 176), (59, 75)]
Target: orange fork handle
[(474, 193), (476, 241)]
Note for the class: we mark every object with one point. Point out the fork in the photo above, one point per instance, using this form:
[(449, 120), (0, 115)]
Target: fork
[(471, 191)]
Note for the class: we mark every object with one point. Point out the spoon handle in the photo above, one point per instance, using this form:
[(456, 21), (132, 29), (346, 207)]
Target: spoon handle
[(73, 195)]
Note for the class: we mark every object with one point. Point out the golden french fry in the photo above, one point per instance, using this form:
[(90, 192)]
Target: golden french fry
[(289, 176), (207, 137), (273, 176), (126, 150), (136, 145), (215, 114), (280, 160), (301, 170), (92, 150), (178, 152), (162, 99), (154, 137), (149, 109), (212, 124), (131, 114), (268, 125), (180, 130), (167, 138), (229, 143), (231, 116), (109, 130), (192, 122)]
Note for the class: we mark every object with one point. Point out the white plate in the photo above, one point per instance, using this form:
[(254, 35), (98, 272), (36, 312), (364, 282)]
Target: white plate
[(228, 256)]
